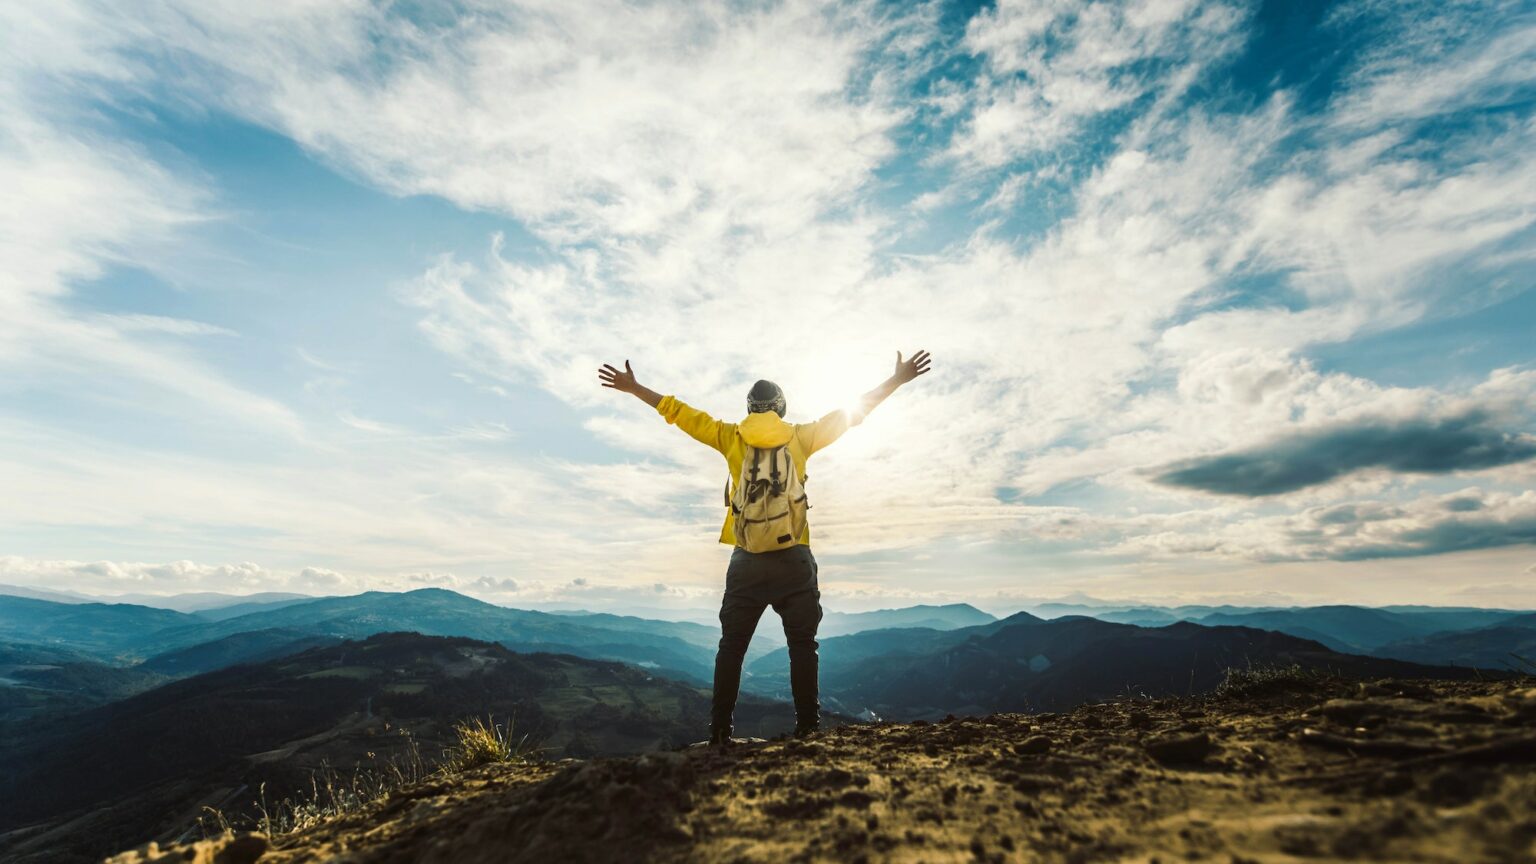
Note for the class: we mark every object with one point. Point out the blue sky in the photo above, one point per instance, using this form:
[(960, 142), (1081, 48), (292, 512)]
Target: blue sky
[(1228, 301)]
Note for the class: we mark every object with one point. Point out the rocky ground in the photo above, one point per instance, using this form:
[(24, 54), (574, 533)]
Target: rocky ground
[(1287, 770)]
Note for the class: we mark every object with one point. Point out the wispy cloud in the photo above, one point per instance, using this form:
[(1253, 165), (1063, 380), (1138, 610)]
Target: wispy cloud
[(1126, 266), (80, 202), (1466, 520), (1049, 69)]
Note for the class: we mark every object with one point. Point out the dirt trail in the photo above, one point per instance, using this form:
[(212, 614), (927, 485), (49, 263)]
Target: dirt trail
[(1390, 771)]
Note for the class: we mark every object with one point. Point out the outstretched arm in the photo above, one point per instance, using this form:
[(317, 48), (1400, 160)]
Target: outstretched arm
[(906, 370), (624, 382), (698, 424)]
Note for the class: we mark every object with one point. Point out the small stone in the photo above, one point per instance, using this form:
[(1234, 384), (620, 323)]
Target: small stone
[(859, 801), (1175, 749), (1032, 745), (226, 849)]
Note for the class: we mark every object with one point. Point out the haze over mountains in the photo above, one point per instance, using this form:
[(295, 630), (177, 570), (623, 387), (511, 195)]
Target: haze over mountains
[(171, 642)]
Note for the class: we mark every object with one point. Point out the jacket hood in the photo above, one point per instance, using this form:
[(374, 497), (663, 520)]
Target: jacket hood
[(765, 429)]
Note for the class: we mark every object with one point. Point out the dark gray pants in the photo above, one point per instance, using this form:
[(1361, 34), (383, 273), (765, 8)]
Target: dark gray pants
[(786, 580)]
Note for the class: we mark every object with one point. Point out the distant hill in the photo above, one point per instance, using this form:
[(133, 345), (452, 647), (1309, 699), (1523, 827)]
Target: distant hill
[(106, 631), (1350, 629), (125, 633), (1141, 617), (36, 680), (1100, 609), (702, 635), (44, 594), (138, 767), (950, 617), (438, 612), (1026, 664), (210, 605), (249, 606), (1510, 644), (254, 646), (208, 601), (708, 617), (1358, 629)]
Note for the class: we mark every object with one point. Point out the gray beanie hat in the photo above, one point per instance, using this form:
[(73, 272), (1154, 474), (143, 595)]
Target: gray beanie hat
[(765, 396)]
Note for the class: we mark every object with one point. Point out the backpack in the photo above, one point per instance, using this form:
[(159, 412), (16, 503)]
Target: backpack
[(768, 502)]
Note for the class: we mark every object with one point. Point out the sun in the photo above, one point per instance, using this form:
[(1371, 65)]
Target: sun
[(833, 381)]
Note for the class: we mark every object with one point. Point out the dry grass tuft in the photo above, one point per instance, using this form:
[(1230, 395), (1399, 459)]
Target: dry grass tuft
[(483, 742), (333, 793), (1267, 681)]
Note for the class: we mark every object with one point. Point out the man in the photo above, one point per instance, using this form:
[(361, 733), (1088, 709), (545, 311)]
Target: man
[(784, 578)]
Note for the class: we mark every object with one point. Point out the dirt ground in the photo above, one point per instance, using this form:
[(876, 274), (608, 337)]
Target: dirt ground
[(1321, 771)]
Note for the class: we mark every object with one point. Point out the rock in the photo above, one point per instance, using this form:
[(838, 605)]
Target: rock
[(1458, 786), (1179, 749), (227, 849), (1350, 711), (1522, 704), (856, 799), (1032, 745)]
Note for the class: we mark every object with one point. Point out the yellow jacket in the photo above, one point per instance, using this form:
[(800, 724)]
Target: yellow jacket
[(760, 430)]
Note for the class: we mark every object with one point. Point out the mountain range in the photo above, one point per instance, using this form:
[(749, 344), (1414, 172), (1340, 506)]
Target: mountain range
[(119, 721), (124, 633), (1488, 638), (99, 641), (1511, 643), (1350, 629), (1024, 663), (949, 617)]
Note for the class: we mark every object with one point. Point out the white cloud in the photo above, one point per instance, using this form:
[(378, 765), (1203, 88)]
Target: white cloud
[(1051, 68), (602, 122), (319, 580), (685, 168), (496, 586), (109, 577), (79, 202), (1357, 530), (1129, 288), (1426, 59)]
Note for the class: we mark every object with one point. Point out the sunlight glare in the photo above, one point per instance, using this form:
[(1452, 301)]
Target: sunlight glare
[(838, 380)]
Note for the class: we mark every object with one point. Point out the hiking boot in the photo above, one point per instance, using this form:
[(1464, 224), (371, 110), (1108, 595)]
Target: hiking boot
[(720, 736), (806, 730)]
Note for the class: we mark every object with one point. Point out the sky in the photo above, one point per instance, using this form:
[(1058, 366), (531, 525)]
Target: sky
[(1227, 301)]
